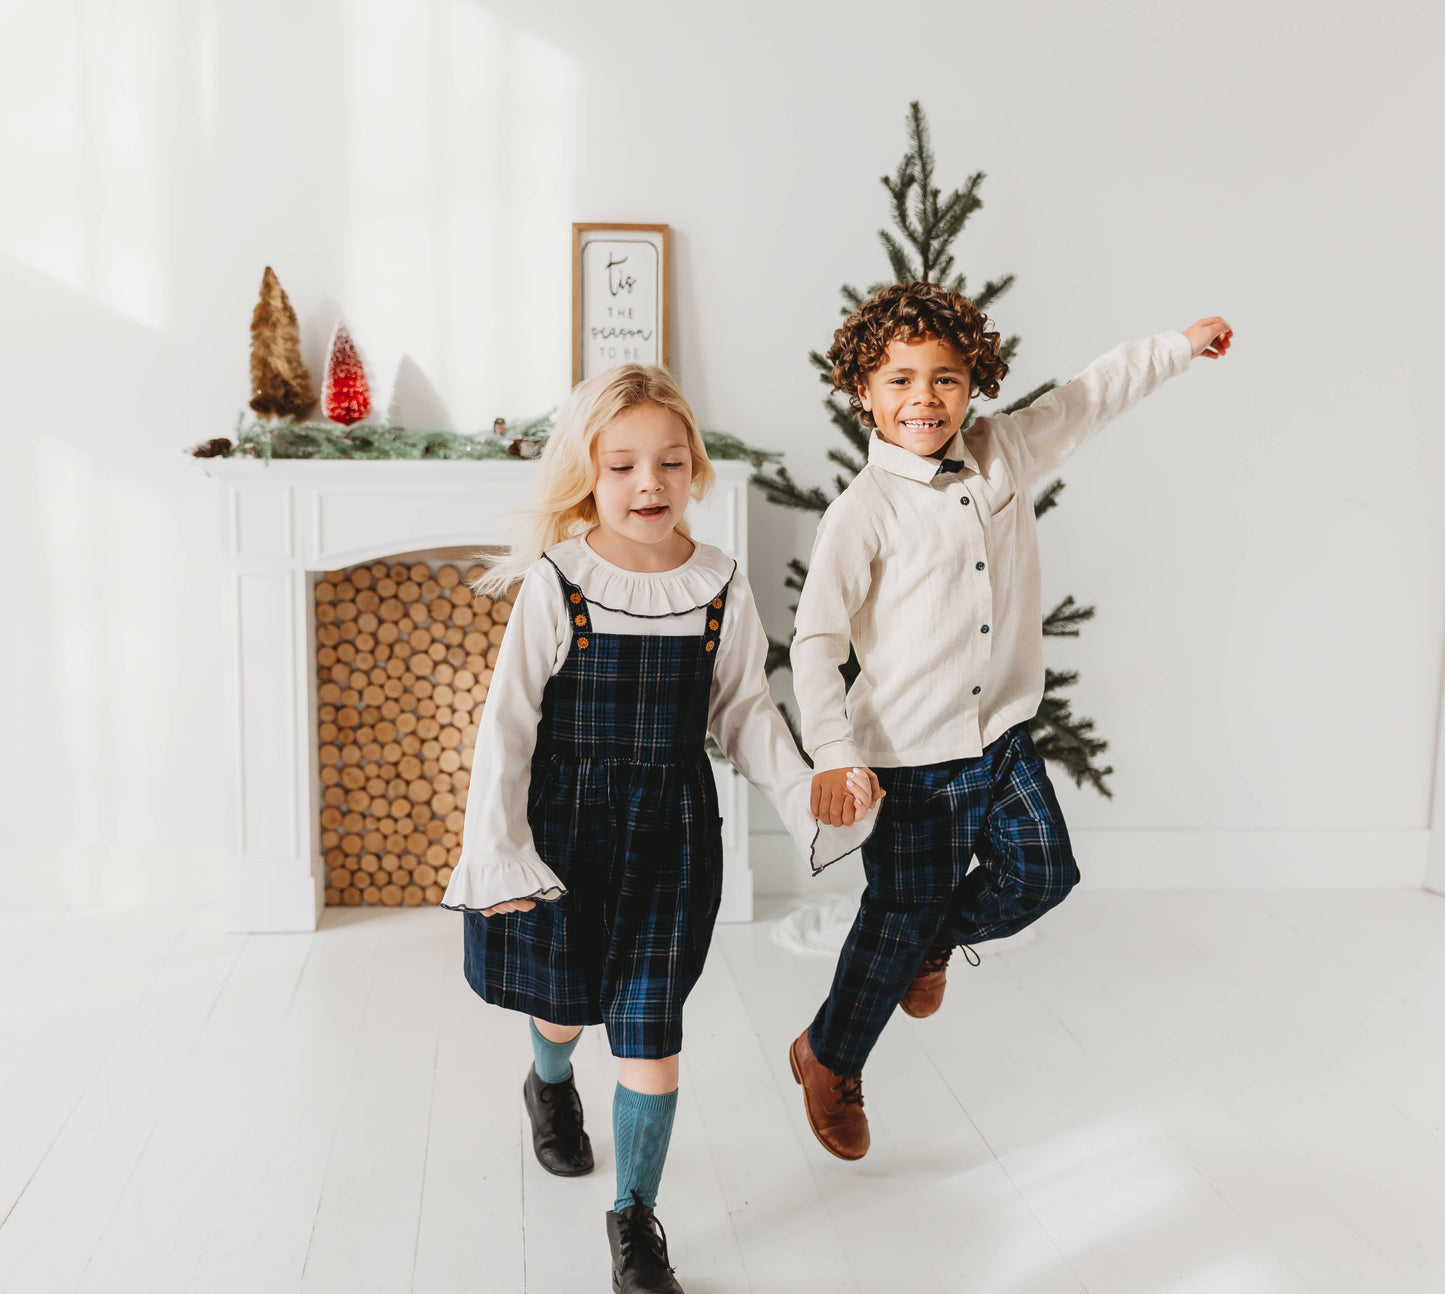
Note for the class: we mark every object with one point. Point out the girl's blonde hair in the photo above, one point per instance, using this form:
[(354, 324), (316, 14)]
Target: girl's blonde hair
[(565, 506)]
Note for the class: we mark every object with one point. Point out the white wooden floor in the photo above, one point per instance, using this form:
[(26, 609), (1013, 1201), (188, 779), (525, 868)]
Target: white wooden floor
[(1187, 1092)]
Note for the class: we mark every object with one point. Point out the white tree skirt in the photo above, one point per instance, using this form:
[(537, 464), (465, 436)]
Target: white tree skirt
[(821, 927)]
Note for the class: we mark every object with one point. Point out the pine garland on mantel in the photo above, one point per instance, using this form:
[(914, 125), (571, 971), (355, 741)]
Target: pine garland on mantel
[(287, 438)]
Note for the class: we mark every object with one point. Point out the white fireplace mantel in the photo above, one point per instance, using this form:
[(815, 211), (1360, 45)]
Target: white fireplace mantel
[(284, 522)]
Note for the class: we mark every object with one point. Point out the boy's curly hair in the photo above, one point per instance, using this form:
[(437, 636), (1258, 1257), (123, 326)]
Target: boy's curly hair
[(911, 312)]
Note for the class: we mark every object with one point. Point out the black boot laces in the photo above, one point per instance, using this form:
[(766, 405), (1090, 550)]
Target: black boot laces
[(850, 1090), (567, 1116), (641, 1230)]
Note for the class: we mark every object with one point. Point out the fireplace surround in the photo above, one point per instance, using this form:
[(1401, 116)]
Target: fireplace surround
[(287, 523)]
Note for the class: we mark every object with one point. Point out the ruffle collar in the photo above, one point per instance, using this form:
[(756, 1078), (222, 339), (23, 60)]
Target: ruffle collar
[(646, 594)]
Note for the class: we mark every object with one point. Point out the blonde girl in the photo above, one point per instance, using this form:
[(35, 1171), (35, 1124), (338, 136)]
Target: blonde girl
[(591, 864)]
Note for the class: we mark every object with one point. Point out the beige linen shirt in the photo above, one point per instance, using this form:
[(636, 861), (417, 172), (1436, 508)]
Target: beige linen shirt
[(933, 576)]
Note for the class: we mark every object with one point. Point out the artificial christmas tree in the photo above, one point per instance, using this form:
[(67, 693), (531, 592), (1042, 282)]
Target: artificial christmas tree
[(346, 396), (280, 384), (927, 224)]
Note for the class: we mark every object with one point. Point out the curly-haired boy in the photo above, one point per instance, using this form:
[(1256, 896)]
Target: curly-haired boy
[(927, 565)]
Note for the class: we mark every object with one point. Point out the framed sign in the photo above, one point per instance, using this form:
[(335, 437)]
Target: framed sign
[(619, 297)]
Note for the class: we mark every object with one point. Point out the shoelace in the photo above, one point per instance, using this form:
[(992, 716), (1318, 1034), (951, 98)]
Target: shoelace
[(937, 959), (568, 1118), (850, 1091), (641, 1229)]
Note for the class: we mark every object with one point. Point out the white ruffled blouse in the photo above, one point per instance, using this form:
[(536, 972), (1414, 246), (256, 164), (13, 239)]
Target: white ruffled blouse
[(499, 859)]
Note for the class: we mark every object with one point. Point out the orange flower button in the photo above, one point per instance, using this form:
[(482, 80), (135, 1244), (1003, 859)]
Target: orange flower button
[(707, 646), (712, 624), (717, 602), (579, 620), (576, 597), (582, 642)]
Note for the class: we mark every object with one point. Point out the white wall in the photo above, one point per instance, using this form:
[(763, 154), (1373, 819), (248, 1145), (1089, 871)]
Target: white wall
[(1263, 539)]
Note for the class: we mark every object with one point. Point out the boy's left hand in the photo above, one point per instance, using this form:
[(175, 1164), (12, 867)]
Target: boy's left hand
[(1209, 337), (842, 796)]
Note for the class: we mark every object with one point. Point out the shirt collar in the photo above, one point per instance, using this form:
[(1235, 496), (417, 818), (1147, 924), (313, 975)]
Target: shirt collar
[(902, 462)]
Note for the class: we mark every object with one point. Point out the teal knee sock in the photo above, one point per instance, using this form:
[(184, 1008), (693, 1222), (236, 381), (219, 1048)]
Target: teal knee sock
[(641, 1130), (553, 1059)]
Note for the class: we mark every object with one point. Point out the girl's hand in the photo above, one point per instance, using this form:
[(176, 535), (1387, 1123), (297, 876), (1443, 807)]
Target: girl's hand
[(1209, 337), (843, 795), (511, 905)]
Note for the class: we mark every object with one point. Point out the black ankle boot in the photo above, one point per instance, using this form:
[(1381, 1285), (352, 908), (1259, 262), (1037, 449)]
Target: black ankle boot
[(561, 1146), (639, 1251)]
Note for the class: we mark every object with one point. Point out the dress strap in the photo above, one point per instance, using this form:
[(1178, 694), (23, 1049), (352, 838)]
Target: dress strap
[(715, 607), (579, 614)]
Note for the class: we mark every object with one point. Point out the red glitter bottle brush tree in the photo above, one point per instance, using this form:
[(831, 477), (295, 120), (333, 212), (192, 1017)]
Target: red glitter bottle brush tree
[(346, 395)]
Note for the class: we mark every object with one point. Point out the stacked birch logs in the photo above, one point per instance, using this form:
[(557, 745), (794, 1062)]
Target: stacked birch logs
[(404, 656)]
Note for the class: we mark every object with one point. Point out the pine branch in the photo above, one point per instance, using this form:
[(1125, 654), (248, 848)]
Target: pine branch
[(851, 426), (778, 653), (780, 488), (797, 575), (992, 290), (841, 416), (847, 462), (1007, 349), (724, 445), (962, 205), (1065, 740), (1065, 620), (1024, 401), (1048, 498), (903, 272), (899, 187), (1057, 679)]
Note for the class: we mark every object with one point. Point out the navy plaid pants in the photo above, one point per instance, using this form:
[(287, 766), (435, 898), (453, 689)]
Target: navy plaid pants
[(1001, 807)]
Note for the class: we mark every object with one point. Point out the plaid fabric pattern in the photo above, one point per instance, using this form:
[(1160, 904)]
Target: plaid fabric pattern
[(624, 809), (1001, 807)]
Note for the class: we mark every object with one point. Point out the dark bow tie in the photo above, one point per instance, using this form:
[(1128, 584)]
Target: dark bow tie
[(951, 465)]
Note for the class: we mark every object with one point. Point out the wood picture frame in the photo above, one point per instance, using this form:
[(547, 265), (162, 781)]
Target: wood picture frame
[(621, 309)]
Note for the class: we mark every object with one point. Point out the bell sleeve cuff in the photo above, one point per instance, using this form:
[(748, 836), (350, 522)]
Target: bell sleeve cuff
[(475, 887)]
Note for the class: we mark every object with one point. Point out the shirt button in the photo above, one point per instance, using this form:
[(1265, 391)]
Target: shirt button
[(984, 630), (964, 500), (977, 690), (978, 566)]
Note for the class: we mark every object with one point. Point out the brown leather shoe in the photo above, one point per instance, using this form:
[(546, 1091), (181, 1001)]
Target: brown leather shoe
[(924, 994), (834, 1104)]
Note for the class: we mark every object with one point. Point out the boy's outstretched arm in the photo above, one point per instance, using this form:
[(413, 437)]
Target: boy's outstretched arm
[(1057, 423)]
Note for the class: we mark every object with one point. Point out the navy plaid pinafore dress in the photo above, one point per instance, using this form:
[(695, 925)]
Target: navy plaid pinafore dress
[(623, 808)]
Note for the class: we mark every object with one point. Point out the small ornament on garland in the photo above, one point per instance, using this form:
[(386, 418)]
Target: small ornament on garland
[(346, 397), (499, 428), (522, 447), (219, 447), (280, 383)]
